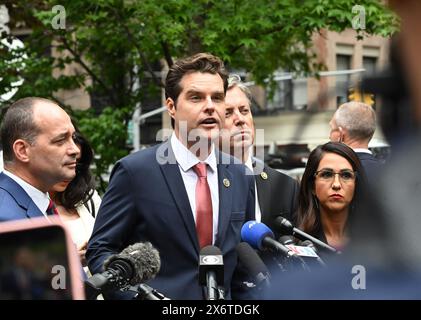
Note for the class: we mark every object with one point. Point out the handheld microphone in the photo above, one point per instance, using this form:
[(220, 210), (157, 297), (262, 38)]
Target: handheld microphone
[(254, 265), (260, 237), (286, 227), (211, 271), (135, 264)]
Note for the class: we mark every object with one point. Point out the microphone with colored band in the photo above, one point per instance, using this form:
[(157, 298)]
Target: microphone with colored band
[(260, 237), (211, 272), (286, 227), (254, 265), (137, 263)]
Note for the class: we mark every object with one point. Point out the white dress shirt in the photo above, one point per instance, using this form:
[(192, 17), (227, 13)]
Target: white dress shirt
[(186, 160), (362, 150), (41, 199), (258, 214)]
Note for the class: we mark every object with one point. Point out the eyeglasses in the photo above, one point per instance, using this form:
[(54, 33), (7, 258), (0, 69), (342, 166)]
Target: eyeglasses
[(328, 175)]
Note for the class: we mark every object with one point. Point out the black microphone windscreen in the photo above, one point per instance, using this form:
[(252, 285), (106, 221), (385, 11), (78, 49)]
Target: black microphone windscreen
[(283, 225), (144, 259), (210, 251), (251, 259)]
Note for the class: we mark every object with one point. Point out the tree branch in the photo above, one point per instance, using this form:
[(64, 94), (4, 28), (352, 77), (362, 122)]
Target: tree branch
[(79, 60), (140, 52), (167, 54)]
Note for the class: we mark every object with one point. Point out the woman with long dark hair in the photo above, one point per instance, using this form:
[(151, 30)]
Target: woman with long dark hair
[(77, 201), (329, 192)]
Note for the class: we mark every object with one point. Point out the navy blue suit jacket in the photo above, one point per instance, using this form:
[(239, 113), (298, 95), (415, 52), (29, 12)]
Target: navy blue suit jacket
[(146, 200), (15, 203), (370, 164), (277, 194)]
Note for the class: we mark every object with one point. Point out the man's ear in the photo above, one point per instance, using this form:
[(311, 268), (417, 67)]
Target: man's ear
[(341, 134), (170, 107), (21, 150)]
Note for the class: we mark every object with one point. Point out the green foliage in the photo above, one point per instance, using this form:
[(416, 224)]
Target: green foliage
[(107, 132), (115, 44)]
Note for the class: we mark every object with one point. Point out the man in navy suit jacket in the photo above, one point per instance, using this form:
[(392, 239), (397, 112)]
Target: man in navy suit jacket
[(38, 152), (151, 195), (354, 124)]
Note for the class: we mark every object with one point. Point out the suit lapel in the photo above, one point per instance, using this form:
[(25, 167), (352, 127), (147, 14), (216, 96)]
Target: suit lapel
[(175, 183), (263, 189), (20, 196), (225, 201), (33, 211)]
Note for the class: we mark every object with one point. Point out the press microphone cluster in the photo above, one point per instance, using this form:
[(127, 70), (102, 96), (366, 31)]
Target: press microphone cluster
[(285, 227), (260, 237), (136, 264)]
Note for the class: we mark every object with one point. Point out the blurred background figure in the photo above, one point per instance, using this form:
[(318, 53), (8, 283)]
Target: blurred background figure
[(77, 200), (329, 192), (354, 124)]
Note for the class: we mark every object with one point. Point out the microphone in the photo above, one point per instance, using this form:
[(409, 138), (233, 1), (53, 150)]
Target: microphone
[(211, 271), (135, 264), (145, 292), (285, 227), (254, 265), (260, 237), (286, 240)]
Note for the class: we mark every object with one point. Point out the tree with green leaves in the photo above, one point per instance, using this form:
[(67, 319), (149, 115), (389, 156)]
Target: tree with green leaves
[(118, 45)]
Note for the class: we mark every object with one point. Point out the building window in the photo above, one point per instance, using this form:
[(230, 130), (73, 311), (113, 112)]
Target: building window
[(370, 65), (343, 62)]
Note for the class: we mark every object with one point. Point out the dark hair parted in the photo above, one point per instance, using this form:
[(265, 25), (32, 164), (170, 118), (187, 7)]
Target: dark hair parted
[(308, 214), (18, 123), (81, 188), (201, 62)]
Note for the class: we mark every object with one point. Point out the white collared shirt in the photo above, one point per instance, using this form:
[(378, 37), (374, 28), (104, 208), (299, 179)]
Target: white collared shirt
[(40, 198), (362, 150), (258, 214), (186, 160)]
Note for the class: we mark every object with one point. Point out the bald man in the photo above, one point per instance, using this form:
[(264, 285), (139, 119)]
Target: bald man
[(38, 152), (354, 124)]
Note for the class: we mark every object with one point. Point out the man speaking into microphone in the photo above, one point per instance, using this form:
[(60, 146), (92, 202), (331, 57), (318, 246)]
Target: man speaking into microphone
[(181, 195)]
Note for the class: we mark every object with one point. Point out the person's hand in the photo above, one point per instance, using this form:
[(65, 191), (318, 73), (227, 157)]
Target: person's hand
[(81, 250)]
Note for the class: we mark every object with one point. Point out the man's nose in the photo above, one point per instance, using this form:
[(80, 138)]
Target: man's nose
[(238, 118), (74, 149), (210, 105)]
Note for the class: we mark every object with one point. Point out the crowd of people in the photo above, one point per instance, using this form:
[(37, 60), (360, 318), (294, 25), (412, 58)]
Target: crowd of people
[(202, 185)]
